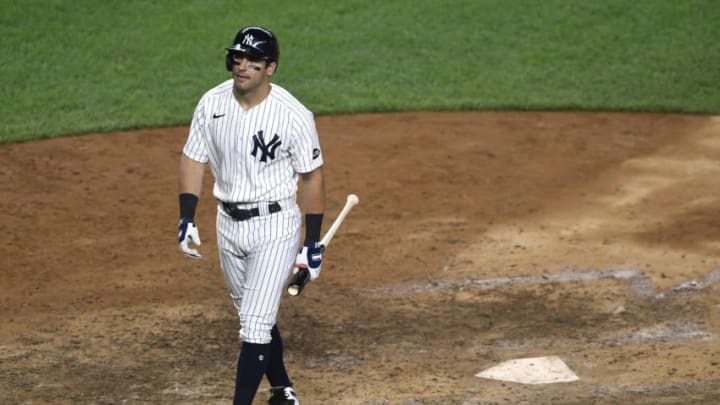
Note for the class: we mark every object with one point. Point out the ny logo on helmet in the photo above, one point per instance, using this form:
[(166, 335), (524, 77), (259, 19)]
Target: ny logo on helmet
[(267, 150), (250, 40)]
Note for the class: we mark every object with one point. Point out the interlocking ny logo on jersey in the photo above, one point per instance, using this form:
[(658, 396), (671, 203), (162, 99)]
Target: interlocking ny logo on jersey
[(267, 149)]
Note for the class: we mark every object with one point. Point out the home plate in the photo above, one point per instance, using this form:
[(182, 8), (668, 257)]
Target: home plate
[(535, 370)]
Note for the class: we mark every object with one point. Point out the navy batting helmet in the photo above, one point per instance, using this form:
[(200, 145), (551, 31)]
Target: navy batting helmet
[(257, 42)]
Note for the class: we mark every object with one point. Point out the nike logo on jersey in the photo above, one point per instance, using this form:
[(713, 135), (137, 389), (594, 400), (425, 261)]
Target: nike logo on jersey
[(316, 153), (218, 115)]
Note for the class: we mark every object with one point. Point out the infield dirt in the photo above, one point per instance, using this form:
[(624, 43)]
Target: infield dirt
[(480, 237)]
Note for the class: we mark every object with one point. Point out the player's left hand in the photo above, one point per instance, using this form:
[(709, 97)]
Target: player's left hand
[(189, 233), (310, 258)]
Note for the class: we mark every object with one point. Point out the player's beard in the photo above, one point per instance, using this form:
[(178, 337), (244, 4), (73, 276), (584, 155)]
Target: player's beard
[(251, 88)]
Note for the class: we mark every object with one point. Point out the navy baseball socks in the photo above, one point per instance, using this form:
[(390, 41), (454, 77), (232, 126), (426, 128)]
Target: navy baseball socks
[(276, 373), (252, 364), (258, 359)]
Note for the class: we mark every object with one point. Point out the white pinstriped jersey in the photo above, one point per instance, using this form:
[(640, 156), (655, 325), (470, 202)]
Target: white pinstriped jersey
[(255, 155)]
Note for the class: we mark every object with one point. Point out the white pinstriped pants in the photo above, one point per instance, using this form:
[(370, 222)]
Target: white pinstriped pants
[(257, 257)]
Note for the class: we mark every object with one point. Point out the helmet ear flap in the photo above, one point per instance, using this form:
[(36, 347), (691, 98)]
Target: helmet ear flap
[(228, 61)]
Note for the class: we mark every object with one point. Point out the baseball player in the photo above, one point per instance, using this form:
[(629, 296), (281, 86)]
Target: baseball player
[(258, 140)]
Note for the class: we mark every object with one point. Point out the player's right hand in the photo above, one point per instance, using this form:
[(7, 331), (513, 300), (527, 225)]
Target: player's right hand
[(189, 234)]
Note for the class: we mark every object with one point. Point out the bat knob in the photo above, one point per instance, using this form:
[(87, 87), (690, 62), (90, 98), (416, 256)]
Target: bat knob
[(294, 290)]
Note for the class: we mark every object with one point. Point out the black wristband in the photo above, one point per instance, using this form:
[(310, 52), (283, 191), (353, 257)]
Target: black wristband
[(313, 224), (188, 203)]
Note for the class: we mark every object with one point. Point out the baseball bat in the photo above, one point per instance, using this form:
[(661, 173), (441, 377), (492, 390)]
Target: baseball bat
[(303, 275)]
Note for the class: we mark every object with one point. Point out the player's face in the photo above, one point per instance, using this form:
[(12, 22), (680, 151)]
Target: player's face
[(250, 73)]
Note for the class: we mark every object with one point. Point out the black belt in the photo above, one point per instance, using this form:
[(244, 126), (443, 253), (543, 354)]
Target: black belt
[(243, 215)]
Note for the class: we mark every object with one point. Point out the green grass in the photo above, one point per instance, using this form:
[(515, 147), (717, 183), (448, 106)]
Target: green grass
[(77, 66)]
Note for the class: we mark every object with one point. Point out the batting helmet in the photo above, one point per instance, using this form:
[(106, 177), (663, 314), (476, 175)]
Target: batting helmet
[(256, 42)]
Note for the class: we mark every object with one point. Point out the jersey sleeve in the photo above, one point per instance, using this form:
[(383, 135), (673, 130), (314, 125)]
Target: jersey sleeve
[(196, 145), (306, 153)]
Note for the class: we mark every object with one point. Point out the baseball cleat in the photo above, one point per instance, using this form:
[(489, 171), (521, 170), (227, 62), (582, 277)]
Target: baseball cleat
[(283, 396)]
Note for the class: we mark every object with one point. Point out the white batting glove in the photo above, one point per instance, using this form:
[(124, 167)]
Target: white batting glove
[(310, 258), (189, 234)]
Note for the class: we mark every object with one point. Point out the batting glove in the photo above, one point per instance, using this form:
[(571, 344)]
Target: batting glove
[(310, 258), (189, 234)]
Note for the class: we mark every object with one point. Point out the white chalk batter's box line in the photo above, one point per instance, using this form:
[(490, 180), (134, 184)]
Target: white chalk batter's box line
[(639, 283), (678, 330)]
